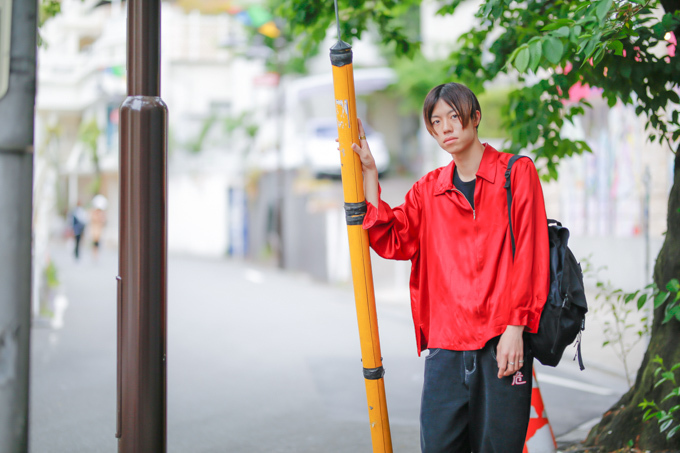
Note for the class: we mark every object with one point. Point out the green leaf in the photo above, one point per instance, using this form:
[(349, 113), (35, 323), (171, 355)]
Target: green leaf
[(665, 416), (535, 55), (660, 298), (562, 32), (603, 8), (672, 432), (522, 60), (668, 375), (631, 296), (559, 23), (673, 285), (665, 425), (589, 49), (617, 47), (672, 394), (670, 314), (626, 71), (641, 301), (669, 21), (553, 49)]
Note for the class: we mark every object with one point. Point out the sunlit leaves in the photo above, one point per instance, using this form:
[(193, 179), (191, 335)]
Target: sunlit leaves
[(610, 44), (553, 49), (310, 20), (522, 59), (602, 8)]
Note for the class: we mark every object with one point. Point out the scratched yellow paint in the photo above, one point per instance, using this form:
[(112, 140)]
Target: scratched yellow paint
[(362, 274)]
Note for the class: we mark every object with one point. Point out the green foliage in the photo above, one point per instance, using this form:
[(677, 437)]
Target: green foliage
[(623, 327), (47, 9), (617, 307), (88, 134), (671, 298), (196, 145), (310, 20), (416, 77), (609, 44), (666, 418), (51, 275), (224, 136), (612, 43), (494, 104)]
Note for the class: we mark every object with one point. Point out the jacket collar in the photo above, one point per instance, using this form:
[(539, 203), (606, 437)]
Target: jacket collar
[(487, 170)]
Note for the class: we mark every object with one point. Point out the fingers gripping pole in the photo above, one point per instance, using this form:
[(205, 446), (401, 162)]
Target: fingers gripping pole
[(362, 275)]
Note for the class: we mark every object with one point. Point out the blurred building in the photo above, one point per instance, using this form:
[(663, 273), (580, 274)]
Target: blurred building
[(234, 128), (239, 136), (207, 82)]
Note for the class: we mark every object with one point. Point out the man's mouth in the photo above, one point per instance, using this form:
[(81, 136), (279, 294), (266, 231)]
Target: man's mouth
[(450, 139)]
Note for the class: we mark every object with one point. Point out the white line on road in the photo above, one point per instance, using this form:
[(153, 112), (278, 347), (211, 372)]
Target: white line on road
[(254, 276), (572, 384)]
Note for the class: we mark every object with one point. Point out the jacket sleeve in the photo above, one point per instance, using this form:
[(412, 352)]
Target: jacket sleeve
[(394, 232), (531, 265)]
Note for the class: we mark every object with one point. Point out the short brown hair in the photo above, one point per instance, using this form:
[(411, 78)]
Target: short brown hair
[(458, 96)]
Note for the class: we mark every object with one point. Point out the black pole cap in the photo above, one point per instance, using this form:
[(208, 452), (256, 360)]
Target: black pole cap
[(341, 54)]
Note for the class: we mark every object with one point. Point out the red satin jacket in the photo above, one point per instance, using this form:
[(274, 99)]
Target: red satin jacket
[(465, 287)]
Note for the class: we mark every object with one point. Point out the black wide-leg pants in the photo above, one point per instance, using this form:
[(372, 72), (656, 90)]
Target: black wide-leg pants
[(465, 406)]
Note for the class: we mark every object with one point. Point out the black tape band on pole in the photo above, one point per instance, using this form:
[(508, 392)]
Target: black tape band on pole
[(374, 373), (355, 213)]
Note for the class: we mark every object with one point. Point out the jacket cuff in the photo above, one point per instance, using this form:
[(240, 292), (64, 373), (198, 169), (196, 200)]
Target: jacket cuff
[(520, 317), (371, 216)]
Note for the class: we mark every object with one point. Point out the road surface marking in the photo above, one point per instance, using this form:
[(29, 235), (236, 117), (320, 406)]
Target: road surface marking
[(572, 384)]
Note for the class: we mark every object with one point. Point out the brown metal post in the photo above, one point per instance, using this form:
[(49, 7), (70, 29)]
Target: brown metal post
[(142, 275)]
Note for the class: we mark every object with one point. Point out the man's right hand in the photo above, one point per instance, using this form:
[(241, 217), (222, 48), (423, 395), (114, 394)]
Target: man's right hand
[(368, 167)]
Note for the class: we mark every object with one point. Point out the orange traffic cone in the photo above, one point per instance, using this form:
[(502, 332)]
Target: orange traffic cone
[(540, 436)]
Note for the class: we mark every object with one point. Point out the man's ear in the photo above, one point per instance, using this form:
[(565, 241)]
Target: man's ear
[(478, 118)]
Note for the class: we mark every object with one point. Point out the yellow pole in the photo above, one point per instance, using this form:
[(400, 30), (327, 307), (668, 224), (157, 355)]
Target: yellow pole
[(362, 275)]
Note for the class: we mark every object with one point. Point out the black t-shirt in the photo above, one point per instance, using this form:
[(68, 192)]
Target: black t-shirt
[(467, 188)]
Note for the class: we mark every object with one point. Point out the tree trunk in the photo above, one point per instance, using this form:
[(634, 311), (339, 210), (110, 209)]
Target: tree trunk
[(623, 421)]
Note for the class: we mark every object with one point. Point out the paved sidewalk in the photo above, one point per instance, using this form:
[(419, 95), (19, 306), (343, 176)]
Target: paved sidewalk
[(258, 361)]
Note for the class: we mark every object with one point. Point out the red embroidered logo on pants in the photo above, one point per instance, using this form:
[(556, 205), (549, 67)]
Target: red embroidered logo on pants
[(517, 379)]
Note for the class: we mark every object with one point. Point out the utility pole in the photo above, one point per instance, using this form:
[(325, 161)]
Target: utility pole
[(360, 257), (18, 32), (142, 278)]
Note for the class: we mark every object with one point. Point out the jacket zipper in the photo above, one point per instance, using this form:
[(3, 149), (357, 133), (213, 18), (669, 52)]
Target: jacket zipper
[(474, 215)]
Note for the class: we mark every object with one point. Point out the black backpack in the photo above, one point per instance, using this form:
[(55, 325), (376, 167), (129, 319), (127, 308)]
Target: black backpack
[(564, 314)]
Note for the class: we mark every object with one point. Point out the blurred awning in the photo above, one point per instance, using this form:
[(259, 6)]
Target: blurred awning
[(366, 81)]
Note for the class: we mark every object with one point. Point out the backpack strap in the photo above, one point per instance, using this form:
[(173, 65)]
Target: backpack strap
[(508, 189)]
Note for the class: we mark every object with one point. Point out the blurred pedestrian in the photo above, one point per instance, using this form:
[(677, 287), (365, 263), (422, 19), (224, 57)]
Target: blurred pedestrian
[(78, 219), (474, 294), (97, 222)]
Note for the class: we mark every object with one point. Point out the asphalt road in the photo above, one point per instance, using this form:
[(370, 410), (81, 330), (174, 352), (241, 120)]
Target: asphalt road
[(258, 361)]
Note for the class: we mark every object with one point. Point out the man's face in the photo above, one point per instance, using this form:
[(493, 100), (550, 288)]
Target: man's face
[(449, 131)]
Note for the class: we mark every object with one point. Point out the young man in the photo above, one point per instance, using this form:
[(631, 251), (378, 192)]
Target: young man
[(472, 302)]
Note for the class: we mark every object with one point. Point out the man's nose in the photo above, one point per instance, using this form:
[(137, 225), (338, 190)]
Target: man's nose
[(448, 125)]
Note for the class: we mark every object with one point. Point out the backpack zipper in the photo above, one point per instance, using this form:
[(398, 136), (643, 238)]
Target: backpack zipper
[(474, 214)]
